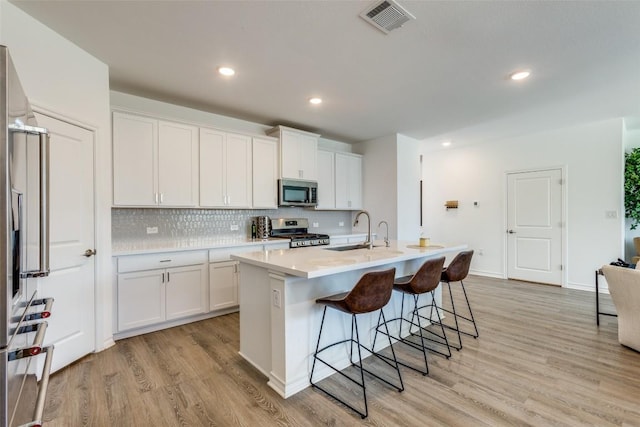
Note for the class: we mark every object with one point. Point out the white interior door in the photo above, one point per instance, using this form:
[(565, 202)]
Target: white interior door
[(71, 282), (534, 226)]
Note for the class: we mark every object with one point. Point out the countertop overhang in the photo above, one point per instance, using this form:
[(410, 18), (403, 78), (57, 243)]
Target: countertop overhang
[(320, 261)]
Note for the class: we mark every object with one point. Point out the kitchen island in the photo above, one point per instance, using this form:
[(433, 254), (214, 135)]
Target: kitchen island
[(279, 319)]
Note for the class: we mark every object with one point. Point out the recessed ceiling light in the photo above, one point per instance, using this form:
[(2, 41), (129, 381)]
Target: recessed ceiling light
[(315, 101), (226, 71), (520, 75), (446, 143)]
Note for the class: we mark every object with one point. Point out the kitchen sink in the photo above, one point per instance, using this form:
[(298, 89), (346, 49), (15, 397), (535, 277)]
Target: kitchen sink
[(348, 247)]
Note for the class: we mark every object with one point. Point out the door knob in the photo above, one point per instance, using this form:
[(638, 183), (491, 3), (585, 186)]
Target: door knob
[(89, 252), (511, 232)]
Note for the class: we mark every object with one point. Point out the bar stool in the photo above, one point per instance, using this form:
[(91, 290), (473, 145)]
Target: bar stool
[(425, 280), (457, 271), (371, 293)]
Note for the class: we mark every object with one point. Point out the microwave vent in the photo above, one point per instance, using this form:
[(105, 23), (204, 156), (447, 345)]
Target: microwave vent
[(386, 15)]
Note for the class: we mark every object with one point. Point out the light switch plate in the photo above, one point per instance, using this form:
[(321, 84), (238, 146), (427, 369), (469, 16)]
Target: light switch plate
[(315, 225), (152, 230), (234, 227)]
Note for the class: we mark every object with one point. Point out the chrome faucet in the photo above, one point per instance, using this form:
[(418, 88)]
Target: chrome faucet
[(368, 243), (386, 237)]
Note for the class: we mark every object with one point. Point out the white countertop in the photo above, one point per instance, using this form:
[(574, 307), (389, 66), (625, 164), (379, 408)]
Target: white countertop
[(141, 247), (318, 261)]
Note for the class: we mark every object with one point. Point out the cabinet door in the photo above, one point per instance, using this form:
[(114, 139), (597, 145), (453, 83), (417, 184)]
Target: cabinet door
[(212, 168), (290, 155), (238, 171), (186, 289), (141, 299), (223, 285), (265, 173), (177, 164), (134, 160), (348, 181), (355, 182), (326, 180), (308, 157)]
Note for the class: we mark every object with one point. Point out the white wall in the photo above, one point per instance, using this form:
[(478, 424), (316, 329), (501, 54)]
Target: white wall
[(391, 184), (62, 79), (592, 157), (379, 179), (408, 188)]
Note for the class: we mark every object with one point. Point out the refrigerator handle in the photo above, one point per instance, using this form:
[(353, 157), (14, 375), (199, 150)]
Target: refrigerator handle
[(44, 204), (43, 134)]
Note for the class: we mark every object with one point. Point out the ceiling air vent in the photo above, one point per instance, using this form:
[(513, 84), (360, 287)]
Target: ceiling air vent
[(386, 15)]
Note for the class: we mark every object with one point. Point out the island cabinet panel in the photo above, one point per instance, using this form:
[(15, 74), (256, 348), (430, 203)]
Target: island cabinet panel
[(298, 153), (348, 181), (265, 173), (223, 285), (225, 169), (155, 163)]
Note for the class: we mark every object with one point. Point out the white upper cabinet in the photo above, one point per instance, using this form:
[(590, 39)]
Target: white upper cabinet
[(326, 180), (134, 160), (177, 164), (225, 169), (298, 153), (348, 181), (155, 163), (265, 173)]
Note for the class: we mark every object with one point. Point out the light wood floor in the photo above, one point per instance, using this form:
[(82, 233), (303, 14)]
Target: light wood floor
[(540, 360)]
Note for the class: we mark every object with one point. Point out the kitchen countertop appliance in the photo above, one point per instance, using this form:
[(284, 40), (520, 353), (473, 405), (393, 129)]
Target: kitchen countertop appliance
[(296, 229), (24, 254)]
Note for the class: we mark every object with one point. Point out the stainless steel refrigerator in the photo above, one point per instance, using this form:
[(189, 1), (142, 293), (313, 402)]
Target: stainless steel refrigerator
[(24, 254)]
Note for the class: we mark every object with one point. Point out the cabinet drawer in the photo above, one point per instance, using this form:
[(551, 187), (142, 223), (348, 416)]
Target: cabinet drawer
[(161, 260)]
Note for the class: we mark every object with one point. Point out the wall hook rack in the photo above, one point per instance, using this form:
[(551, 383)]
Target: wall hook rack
[(451, 204)]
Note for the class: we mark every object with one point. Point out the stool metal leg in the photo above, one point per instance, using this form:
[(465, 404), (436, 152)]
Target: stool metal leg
[(355, 340), (472, 320)]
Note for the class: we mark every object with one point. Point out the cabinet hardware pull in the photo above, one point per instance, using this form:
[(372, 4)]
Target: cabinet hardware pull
[(168, 277), (161, 197), (162, 277), (155, 196), (165, 260)]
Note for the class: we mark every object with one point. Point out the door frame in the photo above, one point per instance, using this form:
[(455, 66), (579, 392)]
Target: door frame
[(103, 337), (565, 226)]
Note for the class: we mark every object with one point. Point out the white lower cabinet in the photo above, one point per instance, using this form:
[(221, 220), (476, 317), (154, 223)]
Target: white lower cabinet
[(141, 299), (156, 288), (186, 291), (223, 285)]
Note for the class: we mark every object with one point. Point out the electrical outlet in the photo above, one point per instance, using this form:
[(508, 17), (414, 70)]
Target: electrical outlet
[(341, 224), (315, 225), (611, 214), (276, 298), (234, 227), (152, 230)]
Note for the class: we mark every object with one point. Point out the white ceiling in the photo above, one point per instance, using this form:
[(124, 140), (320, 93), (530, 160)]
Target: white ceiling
[(440, 76)]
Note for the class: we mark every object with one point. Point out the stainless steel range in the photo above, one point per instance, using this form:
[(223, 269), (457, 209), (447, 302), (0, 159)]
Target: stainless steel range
[(296, 229)]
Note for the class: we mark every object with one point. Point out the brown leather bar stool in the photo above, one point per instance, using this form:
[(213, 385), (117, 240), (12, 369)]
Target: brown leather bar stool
[(457, 271), (425, 280), (371, 293)]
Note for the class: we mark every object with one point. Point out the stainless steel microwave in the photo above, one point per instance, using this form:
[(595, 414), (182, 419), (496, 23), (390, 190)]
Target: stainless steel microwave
[(294, 192)]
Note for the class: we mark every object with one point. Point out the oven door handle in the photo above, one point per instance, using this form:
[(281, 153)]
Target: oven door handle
[(42, 390)]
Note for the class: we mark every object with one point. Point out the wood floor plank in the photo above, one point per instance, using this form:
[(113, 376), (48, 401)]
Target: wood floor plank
[(540, 360)]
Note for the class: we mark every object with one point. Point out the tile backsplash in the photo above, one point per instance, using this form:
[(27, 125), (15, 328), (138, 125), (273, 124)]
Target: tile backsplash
[(130, 224)]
